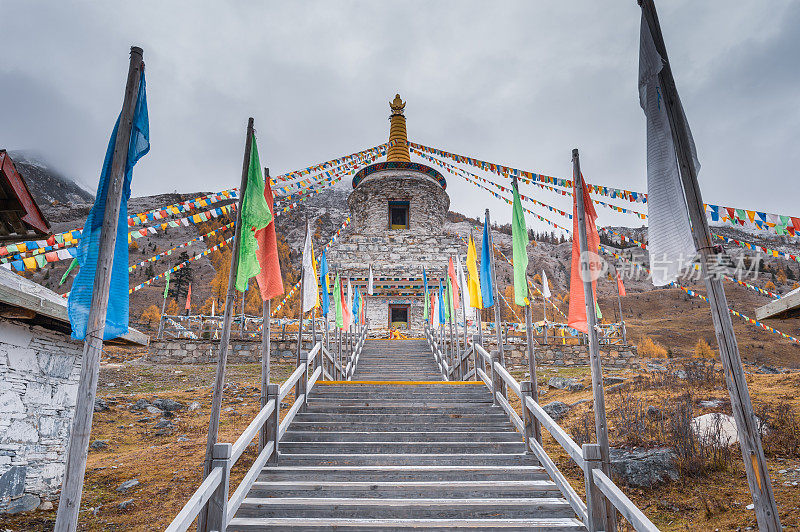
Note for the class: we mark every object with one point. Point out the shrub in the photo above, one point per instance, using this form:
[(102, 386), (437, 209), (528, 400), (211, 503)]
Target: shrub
[(781, 436), (650, 348), (769, 286), (703, 350)]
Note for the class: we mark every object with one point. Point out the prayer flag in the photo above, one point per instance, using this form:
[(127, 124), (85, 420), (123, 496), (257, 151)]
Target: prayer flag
[(462, 287), (425, 311), (255, 215), (545, 285), (270, 280), (519, 235), (487, 290), (453, 286), (346, 304), (189, 299), (670, 242), (370, 290), (620, 286), (310, 291), (72, 267), (337, 299), (475, 299), (80, 297), (440, 307), (449, 309), (323, 280), (577, 301)]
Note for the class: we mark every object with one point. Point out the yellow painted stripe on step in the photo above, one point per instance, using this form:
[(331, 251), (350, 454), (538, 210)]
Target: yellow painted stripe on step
[(407, 383)]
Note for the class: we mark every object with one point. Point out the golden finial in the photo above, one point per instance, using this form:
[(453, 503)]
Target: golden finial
[(398, 151)]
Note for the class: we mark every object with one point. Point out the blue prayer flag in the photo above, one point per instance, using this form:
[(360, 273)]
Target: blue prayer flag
[(323, 278), (441, 304), (487, 290), (88, 249)]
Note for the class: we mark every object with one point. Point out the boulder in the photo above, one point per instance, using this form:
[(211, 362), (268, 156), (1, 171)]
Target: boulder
[(26, 503), (556, 410), (124, 505), (716, 428), (141, 404), (154, 410), (128, 484), (170, 405), (97, 445), (564, 383), (769, 370), (644, 468), (100, 405), (611, 381), (164, 424)]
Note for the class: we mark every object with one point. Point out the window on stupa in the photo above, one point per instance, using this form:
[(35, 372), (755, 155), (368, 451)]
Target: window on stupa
[(398, 215)]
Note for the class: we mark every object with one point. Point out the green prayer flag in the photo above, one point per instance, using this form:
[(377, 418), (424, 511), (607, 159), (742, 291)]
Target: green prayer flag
[(597, 311), (519, 235), (448, 306), (337, 298), (427, 304), (72, 266), (255, 215), (166, 286)]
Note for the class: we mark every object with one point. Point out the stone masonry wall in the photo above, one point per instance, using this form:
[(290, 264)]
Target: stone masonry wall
[(188, 351), (39, 372)]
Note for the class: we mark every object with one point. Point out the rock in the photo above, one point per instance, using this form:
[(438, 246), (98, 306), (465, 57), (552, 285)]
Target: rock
[(141, 404), (128, 484), (182, 439), (45, 506), (556, 410), (153, 410), (164, 424), (644, 468), (563, 383), (12, 482), (100, 405), (170, 405), (96, 445), (681, 374), (715, 428), (655, 367), (769, 370), (653, 412), (611, 381), (26, 503), (124, 505), (194, 406), (711, 403)]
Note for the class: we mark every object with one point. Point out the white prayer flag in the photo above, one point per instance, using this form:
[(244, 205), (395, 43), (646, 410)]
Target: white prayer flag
[(435, 313), (369, 286), (669, 236), (310, 288), (462, 287), (545, 285)]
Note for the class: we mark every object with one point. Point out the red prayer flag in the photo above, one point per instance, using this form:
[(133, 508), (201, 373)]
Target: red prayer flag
[(189, 298), (620, 286), (451, 272), (577, 302), (270, 281)]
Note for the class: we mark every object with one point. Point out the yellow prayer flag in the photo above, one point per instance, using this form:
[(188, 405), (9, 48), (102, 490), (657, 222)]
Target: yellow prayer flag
[(473, 283)]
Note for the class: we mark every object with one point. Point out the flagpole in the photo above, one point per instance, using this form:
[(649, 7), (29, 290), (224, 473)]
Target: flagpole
[(300, 316), (463, 313), (601, 426), (749, 438), (72, 486), (497, 321), (219, 379), (163, 308), (266, 331)]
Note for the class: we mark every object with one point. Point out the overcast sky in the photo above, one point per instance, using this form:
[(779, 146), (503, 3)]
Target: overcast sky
[(519, 83)]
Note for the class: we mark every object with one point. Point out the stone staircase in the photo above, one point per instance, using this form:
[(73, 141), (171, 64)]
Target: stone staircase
[(398, 456)]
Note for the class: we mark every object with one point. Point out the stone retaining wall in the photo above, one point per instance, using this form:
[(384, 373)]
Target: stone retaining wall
[(188, 351), (39, 373)]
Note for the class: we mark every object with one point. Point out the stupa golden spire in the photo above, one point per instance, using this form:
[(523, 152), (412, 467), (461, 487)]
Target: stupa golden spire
[(397, 132)]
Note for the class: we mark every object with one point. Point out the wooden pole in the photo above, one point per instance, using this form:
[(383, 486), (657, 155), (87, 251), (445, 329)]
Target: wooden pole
[(498, 323), (534, 390), (219, 378), (749, 438), (72, 487), (300, 318), (266, 330), (544, 313), (619, 303), (601, 426), (161, 317)]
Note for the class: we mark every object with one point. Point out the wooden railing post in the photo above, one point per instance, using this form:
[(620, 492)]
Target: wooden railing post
[(272, 423), (533, 428), (263, 435), (497, 380), (218, 503), (475, 342), (302, 383), (595, 500)]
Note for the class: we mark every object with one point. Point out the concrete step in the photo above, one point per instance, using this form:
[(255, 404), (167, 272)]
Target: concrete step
[(401, 473), (454, 489), (303, 524), (432, 402), (421, 508), (410, 417), (405, 408), (420, 435), (391, 426), (393, 447)]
